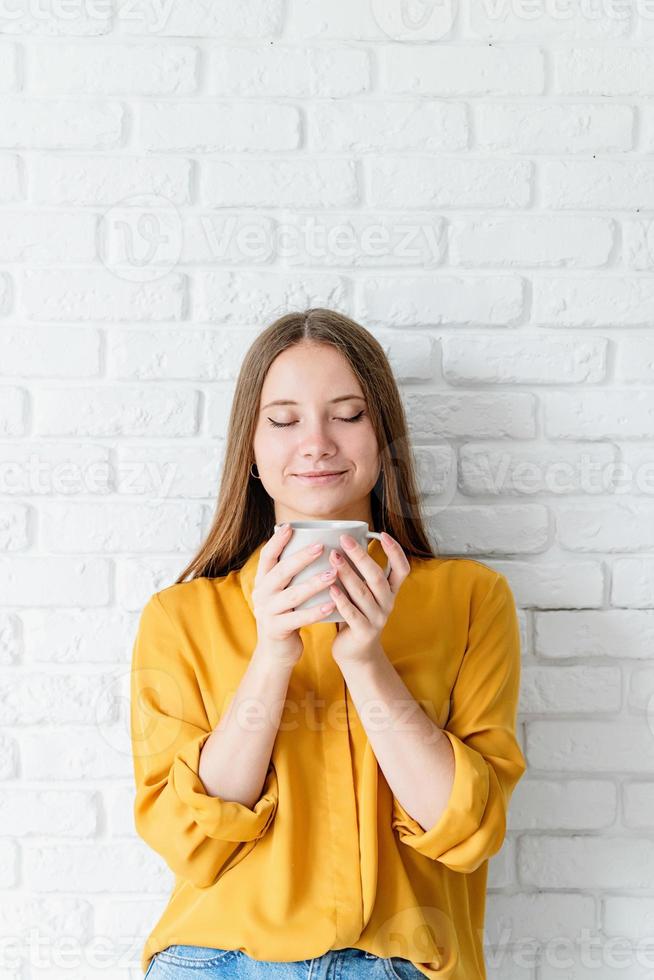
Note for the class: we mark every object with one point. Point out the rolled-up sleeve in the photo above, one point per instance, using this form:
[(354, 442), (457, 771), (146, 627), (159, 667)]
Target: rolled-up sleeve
[(481, 728), (198, 835)]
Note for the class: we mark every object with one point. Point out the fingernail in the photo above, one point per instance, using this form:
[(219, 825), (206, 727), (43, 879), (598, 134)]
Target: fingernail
[(348, 541), (338, 557), (328, 574)]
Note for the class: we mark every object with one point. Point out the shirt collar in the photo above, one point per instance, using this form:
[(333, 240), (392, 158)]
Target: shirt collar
[(248, 571)]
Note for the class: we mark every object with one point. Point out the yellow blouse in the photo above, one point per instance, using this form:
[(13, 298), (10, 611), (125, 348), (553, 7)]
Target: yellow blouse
[(328, 858)]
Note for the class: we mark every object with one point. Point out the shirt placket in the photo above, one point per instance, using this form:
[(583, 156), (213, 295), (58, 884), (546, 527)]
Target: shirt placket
[(342, 839)]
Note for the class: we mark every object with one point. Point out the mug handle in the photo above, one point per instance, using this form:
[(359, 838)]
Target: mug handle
[(375, 534)]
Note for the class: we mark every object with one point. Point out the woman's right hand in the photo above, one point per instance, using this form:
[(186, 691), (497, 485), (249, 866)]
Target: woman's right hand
[(278, 619)]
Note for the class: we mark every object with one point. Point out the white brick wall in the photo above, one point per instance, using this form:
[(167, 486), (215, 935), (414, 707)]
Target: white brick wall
[(478, 191)]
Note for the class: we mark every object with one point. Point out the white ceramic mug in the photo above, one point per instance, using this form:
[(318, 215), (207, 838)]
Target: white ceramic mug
[(327, 533)]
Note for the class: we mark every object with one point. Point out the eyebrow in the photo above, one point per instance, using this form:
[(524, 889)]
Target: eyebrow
[(341, 398)]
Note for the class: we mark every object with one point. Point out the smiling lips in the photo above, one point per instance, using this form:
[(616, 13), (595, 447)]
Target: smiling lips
[(318, 478)]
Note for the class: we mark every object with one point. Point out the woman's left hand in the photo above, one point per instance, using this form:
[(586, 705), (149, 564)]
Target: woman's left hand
[(366, 603)]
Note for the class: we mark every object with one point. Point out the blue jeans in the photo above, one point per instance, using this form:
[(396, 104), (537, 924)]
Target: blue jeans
[(205, 963)]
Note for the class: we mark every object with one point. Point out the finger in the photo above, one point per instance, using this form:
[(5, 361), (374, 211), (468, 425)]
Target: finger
[(289, 566), (361, 599), (295, 595), (400, 565), (282, 570), (346, 607), (374, 580), (356, 589), (305, 617), (273, 548)]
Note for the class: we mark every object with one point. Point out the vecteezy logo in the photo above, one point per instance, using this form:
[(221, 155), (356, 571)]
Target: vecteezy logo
[(414, 20), (140, 237)]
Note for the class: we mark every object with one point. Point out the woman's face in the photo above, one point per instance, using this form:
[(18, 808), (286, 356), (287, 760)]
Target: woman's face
[(313, 436)]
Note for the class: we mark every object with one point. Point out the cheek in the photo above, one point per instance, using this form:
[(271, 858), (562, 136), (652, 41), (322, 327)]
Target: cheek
[(274, 450), (267, 439), (362, 449)]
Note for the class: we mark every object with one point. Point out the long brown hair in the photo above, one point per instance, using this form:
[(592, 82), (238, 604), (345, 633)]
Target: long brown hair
[(245, 516)]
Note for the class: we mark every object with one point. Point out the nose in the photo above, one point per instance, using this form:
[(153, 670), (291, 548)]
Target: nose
[(316, 441)]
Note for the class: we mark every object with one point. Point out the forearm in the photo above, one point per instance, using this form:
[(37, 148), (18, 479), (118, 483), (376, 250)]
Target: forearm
[(415, 756), (235, 758)]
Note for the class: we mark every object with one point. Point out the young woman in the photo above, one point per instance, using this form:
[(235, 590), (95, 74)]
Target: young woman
[(327, 794)]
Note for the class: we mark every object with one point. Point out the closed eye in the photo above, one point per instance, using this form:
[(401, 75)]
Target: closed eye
[(283, 425)]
